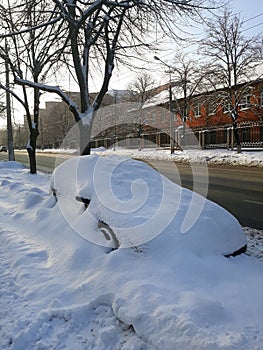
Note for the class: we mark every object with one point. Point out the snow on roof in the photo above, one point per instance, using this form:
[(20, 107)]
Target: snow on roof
[(163, 96), (158, 99)]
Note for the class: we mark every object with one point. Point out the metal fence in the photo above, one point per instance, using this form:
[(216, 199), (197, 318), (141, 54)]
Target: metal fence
[(251, 135)]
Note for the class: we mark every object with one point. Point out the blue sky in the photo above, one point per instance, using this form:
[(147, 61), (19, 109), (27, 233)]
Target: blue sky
[(247, 10), (250, 10)]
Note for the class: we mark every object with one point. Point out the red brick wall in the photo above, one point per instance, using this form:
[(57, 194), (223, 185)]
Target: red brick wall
[(254, 113)]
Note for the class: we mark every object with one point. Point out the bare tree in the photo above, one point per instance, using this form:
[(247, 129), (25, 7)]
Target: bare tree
[(188, 77), (2, 107), (142, 87), (259, 49), (31, 53), (233, 61), (55, 122), (99, 32), (3, 136)]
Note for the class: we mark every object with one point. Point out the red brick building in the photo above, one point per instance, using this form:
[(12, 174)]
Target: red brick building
[(209, 116), (208, 120)]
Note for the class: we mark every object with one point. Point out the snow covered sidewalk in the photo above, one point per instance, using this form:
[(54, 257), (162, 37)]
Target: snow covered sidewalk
[(59, 291), (211, 156), (33, 316), (43, 304)]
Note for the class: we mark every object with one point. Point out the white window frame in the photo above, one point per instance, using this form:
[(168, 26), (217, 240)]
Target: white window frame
[(154, 118), (145, 117), (163, 115), (245, 102), (226, 107), (197, 111), (211, 111)]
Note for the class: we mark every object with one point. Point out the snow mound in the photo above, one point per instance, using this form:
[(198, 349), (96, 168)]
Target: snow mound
[(127, 203), (250, 158), (11, 165), (60, 291)]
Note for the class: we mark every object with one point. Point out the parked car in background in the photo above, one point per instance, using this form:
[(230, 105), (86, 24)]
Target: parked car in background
[(3, 149)]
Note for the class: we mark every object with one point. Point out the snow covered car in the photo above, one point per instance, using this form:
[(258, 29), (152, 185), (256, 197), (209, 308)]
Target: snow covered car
[(3, 149), (120, 202)]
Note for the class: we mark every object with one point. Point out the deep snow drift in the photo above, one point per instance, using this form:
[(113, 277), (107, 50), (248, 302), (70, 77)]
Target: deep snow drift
[(175, 291)]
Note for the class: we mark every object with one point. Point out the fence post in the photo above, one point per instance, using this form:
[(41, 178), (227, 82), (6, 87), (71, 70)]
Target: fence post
[(232, 137), (203, 139), (200, 138), (228, 138)]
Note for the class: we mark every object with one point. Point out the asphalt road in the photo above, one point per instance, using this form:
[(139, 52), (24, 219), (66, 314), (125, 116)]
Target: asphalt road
[(46, 162), (238, 189)]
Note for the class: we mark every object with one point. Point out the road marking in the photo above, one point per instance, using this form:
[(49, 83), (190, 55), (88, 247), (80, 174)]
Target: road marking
[(254, 202)]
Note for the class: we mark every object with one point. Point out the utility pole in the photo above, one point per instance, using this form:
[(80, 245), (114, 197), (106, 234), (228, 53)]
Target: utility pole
[(10, 142), (170, 104), (171, 113)]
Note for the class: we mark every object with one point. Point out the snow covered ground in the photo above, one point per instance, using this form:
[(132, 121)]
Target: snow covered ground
[(212, 156), (248, 157), (58, 290)]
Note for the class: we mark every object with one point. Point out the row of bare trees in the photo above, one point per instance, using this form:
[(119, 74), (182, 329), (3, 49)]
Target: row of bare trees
[(42, 40), (44, 36), (234, 58), (226, 60)]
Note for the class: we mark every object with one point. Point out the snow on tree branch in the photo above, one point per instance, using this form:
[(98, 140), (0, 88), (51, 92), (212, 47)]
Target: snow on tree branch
[(52, 89)]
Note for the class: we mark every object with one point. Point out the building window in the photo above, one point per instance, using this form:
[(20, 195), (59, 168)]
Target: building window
[(145, 117), (162, 116), (174, 117), (154, 120), (245, 102), (197, 112), (226, 107), (211, 108)]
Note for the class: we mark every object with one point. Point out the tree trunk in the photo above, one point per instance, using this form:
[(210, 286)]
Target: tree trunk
[(86, 151), (85, 136), (31, 150), (237, 138), (32, 160)]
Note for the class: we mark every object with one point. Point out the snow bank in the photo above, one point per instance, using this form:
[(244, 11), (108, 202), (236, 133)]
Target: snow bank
[(250, 157), (214, 156), (61, 291)]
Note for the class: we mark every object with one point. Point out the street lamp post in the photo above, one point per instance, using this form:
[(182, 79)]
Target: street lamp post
[(10, 142), (170, 104), (171, 115)]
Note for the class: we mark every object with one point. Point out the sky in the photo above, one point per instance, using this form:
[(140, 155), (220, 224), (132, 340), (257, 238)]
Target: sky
[(122, 77), (247, 11), (253, 25)]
